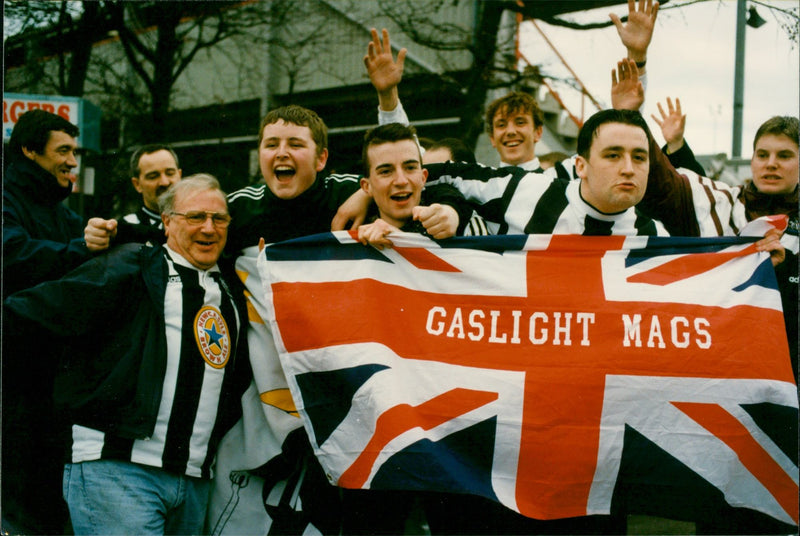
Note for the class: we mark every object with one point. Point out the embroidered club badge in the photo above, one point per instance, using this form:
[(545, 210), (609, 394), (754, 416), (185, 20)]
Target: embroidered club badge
[(211, 334)]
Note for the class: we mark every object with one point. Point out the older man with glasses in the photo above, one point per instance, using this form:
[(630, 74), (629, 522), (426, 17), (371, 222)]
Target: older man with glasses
[(153, 367)]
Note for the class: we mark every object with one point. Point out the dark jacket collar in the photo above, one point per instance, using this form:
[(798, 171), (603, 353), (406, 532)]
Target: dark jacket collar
[(314, 192), (37, 183), (759, 204)]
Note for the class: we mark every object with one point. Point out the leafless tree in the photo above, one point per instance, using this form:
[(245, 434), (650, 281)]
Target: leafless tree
[(66, 30)]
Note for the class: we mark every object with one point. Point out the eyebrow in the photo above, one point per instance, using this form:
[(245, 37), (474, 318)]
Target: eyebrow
[(403, 163), (621, 148), (158, 171), (277, 138)]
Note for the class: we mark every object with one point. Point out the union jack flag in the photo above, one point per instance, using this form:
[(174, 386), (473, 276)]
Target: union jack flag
[(526, 368)]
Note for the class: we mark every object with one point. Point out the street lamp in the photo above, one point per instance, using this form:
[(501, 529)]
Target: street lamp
[(753, 20)]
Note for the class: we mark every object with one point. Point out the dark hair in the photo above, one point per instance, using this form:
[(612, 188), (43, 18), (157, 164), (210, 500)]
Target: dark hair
[(514, 103), (297, 115), (149, 149), (425, 143), (458, 149), (588, 131), (33, 129), (779, 125), (388, 133)]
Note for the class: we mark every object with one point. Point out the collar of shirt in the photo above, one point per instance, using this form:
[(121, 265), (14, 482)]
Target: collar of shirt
[(180, 260), (154, 217), (530, 165)]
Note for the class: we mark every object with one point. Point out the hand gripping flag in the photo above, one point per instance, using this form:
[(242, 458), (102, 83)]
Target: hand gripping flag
[(548, 373)]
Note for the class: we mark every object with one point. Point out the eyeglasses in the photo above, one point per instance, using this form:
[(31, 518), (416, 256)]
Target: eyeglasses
[(219, 219)]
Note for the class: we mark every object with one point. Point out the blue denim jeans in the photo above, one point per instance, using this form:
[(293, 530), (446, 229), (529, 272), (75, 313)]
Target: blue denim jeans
[(117, 497)]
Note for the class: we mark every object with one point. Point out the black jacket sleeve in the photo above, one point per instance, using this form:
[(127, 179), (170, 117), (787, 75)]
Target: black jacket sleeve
[(684, 158), (668, 197), (138, 232), (82, 301)]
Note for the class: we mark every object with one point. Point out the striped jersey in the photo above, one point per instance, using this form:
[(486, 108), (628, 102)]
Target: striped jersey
[(718, 208), (515, 201), (202, 328)]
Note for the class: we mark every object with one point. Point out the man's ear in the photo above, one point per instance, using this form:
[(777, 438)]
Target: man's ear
[(165, 221), (537, 133), (29, 154), (366, 186), (424, 175), (322, 159), (135, 182), (580, 166)]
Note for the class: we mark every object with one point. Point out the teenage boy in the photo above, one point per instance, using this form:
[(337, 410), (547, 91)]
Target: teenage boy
[(395, 180)]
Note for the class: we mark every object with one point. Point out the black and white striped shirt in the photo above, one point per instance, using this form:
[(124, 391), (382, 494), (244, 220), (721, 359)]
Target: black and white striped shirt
[(515, 201), (202, 328)]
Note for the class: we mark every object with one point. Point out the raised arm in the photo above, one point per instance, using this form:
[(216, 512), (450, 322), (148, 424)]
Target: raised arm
[(627, 91), (384, 71), (673, 124), (637, 32)]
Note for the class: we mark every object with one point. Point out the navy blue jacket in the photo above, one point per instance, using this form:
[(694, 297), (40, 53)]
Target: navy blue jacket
[(42, 238)]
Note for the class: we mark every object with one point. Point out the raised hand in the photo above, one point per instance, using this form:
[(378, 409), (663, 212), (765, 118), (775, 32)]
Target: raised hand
[(672, 123), (627, 92), (384, 71), (637, 32)]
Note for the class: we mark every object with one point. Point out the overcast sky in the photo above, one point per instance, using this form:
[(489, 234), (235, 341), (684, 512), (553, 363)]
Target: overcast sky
[(691, 57)]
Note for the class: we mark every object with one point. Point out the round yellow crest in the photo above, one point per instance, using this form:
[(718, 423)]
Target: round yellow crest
[(212, 336)]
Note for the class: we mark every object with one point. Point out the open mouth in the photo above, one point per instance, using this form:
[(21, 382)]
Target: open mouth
[(512, 143), (401, 197), (284, 172)]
